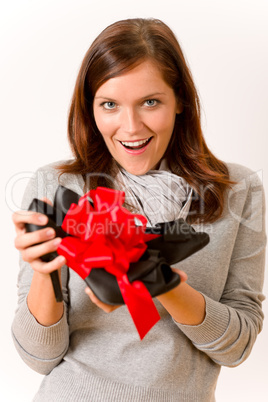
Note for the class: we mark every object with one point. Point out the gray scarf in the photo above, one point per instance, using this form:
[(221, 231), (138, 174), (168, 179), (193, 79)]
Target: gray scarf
[(159, 195)]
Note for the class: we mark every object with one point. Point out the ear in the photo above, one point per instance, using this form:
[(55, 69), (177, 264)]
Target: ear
[(179, 108)]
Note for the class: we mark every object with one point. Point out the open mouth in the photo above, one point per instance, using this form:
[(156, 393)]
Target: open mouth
[(134, 145)]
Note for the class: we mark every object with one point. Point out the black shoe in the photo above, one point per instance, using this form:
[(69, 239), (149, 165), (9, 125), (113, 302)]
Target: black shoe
[(51, 213), (64, 198), (62, 202), (152, 270), (178, 240)]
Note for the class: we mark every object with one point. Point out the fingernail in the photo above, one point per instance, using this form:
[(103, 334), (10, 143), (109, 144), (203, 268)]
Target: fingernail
[(50, 232), (61, 259), (42, 218), (57, 241), (88, 291)]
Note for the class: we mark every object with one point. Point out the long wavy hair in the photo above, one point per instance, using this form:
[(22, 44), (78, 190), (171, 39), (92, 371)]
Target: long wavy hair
[(119, 48)]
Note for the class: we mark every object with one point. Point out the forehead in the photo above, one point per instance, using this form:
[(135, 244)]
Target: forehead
[(142, 78)]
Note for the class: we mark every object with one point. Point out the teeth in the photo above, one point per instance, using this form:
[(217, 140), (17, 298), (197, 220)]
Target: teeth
[(134, 144)]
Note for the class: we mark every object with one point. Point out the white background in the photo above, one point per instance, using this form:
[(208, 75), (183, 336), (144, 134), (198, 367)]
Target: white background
[(42, 45)]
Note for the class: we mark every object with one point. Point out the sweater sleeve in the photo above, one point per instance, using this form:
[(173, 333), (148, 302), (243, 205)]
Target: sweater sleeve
[(232, 323), (42, 348)]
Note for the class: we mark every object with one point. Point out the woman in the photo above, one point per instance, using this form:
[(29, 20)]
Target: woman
[(134, 122)]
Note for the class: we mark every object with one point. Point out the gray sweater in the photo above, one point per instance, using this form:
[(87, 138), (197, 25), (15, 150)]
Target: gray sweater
[(93, 356)]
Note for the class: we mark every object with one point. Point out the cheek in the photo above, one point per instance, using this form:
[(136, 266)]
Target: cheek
[(164, 125), (104, 126), (98, 121)]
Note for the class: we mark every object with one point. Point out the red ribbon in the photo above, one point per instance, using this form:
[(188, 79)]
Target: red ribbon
[(104, 234)]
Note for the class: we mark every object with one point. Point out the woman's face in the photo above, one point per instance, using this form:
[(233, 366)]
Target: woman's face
[(135, 113)]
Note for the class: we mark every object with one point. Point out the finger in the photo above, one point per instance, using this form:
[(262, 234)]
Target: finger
[(32, 253), (45, 199), (182, 274), (107, 308), (21, 217), (48, 267), (32, 238), (92, 297)]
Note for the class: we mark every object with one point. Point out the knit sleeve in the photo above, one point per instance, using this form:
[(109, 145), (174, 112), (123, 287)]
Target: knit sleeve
[(232, 323), (42, 348)]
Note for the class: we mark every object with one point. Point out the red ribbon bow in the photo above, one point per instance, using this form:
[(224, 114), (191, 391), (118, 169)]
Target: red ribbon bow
[(106, 235)]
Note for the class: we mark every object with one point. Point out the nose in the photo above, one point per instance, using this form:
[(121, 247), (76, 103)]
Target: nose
[(131, 122)]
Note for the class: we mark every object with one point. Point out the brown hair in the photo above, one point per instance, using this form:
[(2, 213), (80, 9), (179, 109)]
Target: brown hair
[(119, 48)]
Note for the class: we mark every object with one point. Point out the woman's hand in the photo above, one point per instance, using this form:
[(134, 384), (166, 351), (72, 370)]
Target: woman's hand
[(182, 274), (41, 298), (107, 308), (185, 304), (28, 243)]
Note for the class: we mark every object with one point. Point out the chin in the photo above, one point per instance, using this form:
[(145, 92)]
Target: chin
[(137, 171), (139, 168)]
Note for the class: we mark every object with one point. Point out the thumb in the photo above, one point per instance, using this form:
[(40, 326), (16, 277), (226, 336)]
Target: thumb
[(45, 199), (182, 274)]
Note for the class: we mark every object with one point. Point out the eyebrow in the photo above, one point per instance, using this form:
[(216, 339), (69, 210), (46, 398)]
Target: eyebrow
[(143, 97)]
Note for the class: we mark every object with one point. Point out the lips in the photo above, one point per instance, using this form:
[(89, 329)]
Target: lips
[(135, 145)]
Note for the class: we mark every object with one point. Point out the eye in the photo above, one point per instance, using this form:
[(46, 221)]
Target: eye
[(151, 102), (108, 105)]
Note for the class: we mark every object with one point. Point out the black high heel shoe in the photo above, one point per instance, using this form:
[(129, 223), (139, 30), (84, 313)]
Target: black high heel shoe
[(62, 202), (151, 269), (177, 240)]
